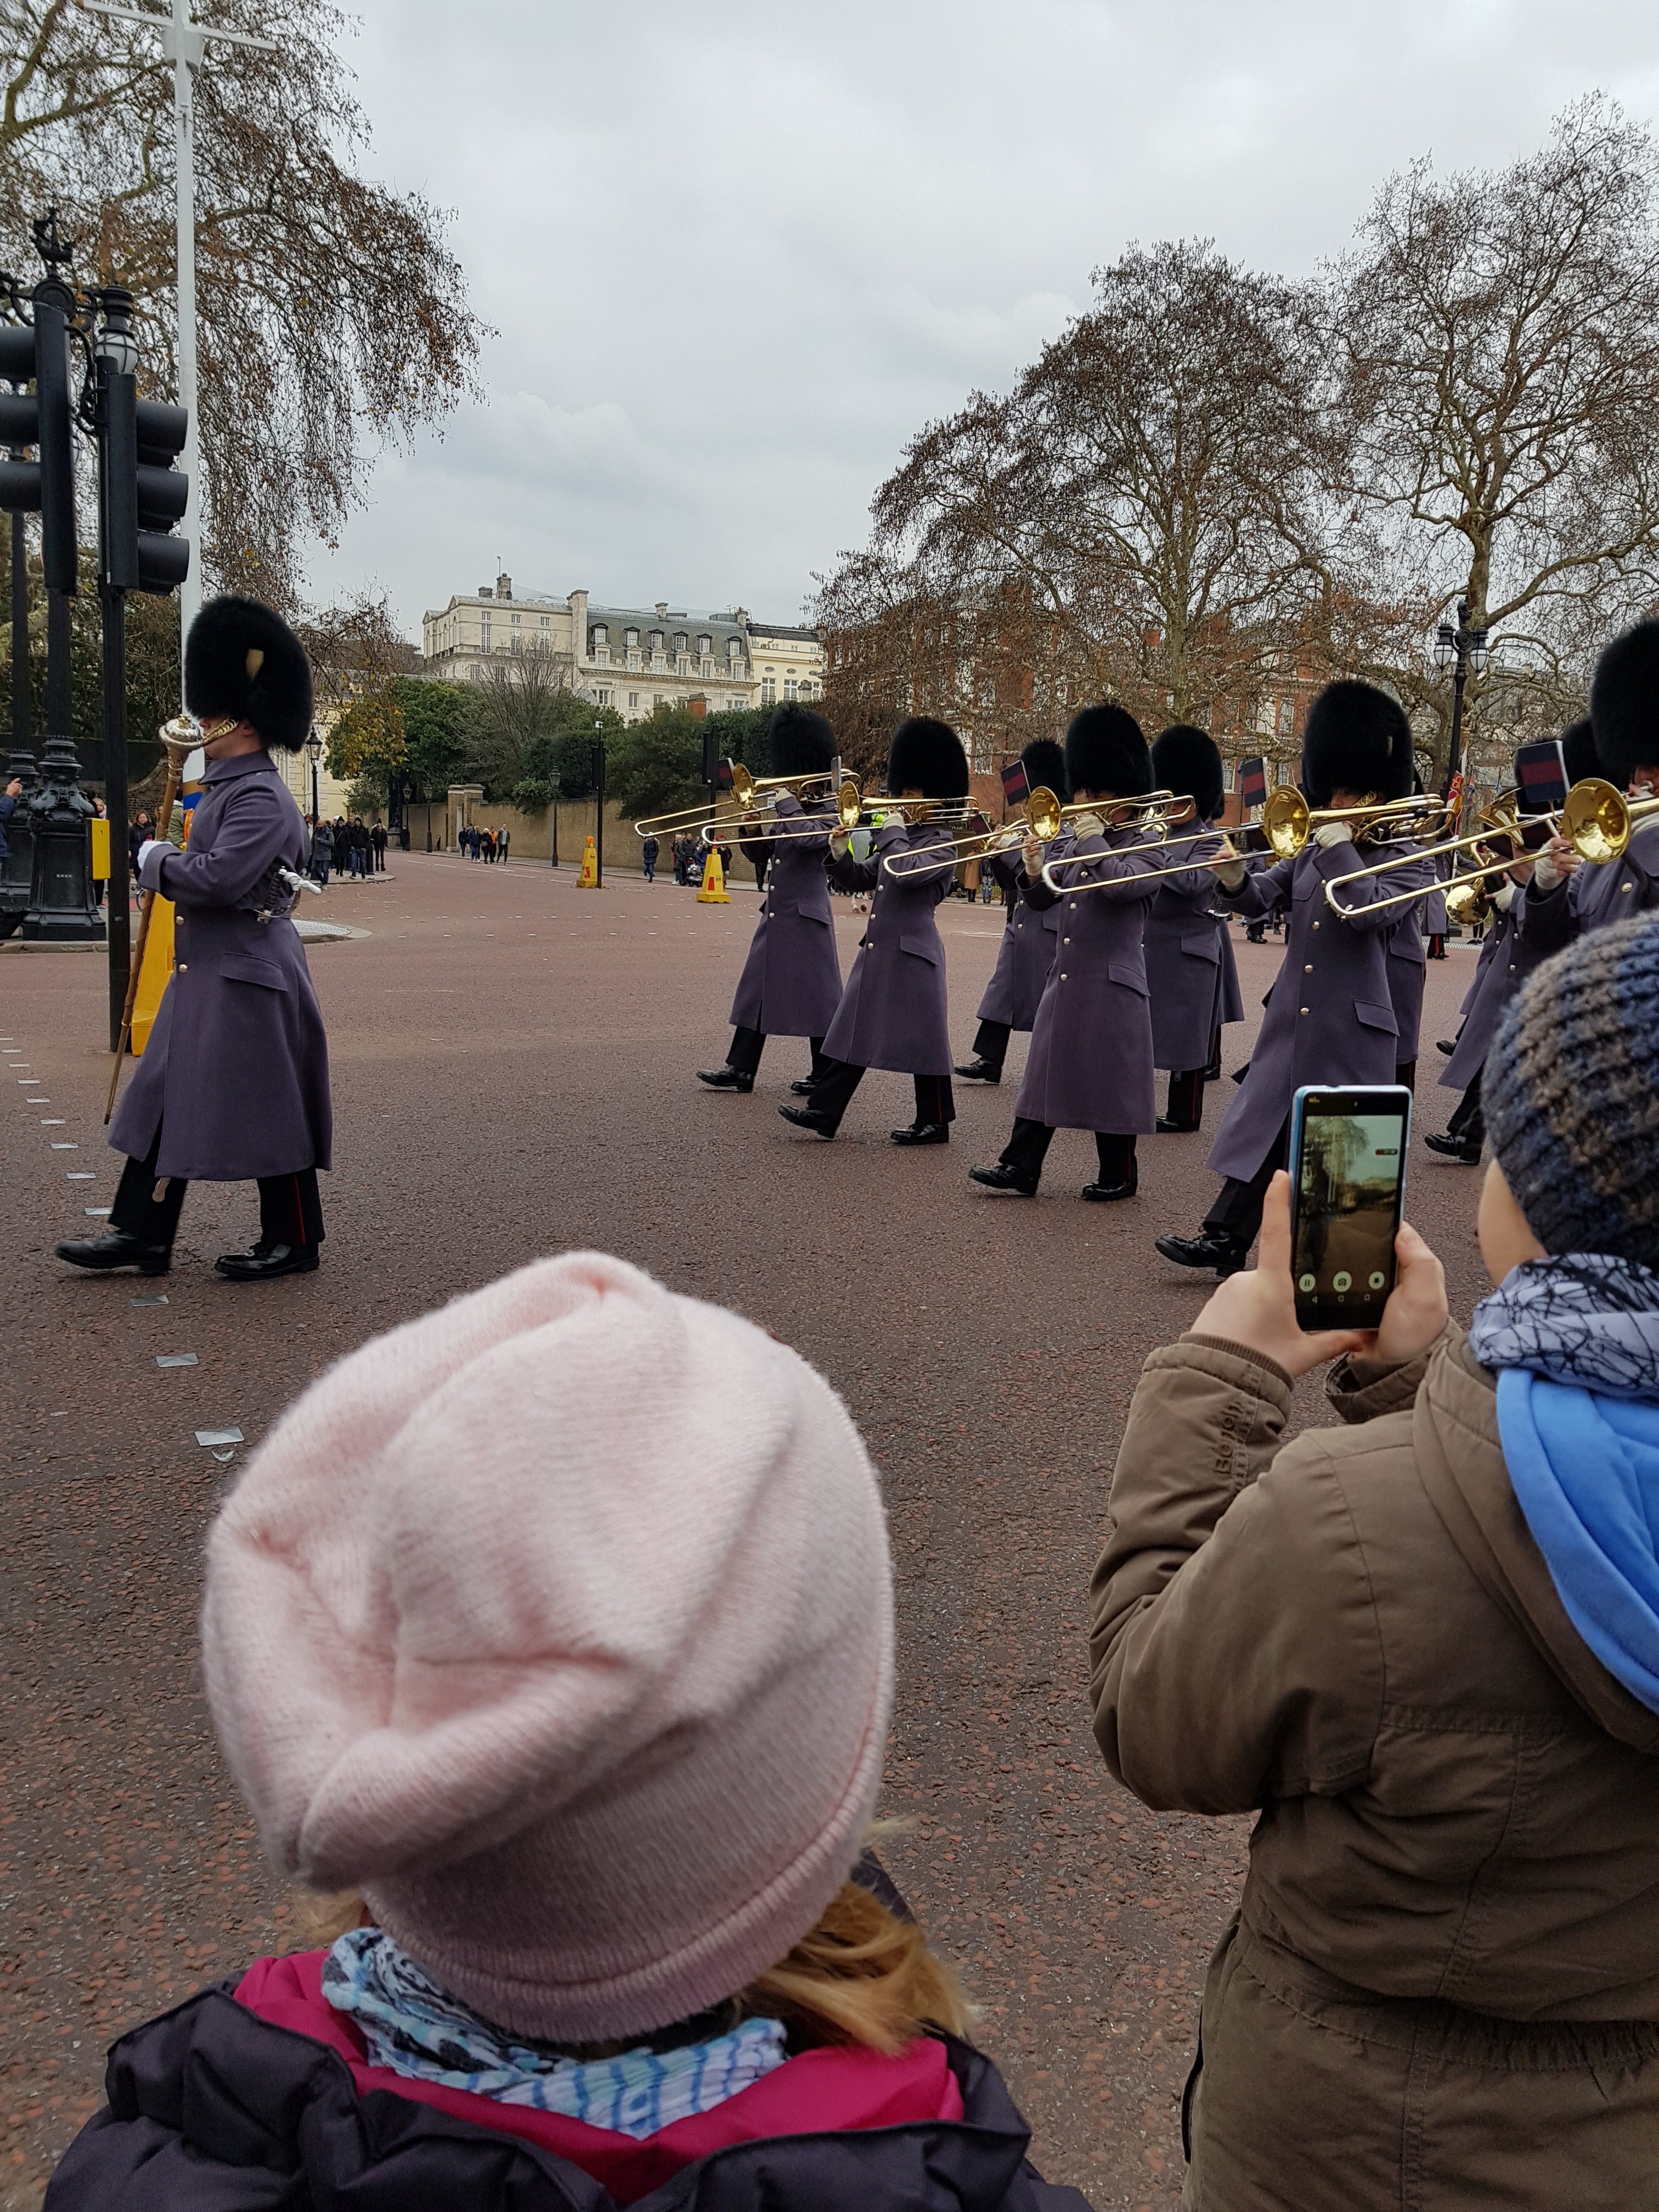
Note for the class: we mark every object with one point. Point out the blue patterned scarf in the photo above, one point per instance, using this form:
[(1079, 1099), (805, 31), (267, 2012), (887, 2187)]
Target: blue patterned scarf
[(414, 2028), (1576, 1344)]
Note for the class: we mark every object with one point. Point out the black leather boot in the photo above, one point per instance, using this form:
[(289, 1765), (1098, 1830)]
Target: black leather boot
[(1013, 1180), (808, 1117), (922, 1133), (266, 1260), (725, 1078), (981, 1070), (1102, 1194), (1211, 1247), (116, 1249), (1455, 1148)]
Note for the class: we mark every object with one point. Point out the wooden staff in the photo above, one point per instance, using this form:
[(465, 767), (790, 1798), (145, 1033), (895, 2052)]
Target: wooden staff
[(180, 737)]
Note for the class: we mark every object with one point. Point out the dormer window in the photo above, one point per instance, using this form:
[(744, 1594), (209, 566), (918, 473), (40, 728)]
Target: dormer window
[(656, 640), (631, 640), (600, 634), (679, 640), (705, 645)]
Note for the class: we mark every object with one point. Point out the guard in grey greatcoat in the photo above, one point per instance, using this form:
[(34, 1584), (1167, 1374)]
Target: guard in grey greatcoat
[(1568, 894), (791, 982), (1329, 1017), (1090, 1062), (1027, 951), (1507, 958), (893, 1012), (233, 1086), (1190, 969)]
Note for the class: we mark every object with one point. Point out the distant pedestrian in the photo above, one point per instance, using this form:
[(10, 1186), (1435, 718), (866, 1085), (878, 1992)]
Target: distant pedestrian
[(648, 857), (139, 831), (376, 840), (501, 837), (322, 852)]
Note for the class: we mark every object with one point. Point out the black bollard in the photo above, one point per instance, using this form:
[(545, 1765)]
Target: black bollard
[(62, 909), (17, 869)]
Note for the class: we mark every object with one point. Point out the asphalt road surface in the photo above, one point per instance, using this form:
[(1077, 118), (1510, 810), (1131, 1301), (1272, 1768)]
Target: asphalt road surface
[(513, 1075)]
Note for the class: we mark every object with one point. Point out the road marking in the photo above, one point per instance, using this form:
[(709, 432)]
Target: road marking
[(98, 1212), (176, 1359), (82, 1174), (160, 1299), (208, 1437)]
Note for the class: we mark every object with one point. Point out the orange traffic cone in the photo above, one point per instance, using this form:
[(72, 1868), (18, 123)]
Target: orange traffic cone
[(712, 890), (589, 878)]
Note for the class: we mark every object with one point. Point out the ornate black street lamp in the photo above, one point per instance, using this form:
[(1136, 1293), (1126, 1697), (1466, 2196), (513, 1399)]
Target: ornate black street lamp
[(1460, 650), (314, 753)]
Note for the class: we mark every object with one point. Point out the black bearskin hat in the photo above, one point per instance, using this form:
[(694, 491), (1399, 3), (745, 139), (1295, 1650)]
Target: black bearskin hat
[(1044, 764), (927, 755), (1579, 753), (1624, 704), (1187, 761), (242, 660), (1356, 738), (1105, 751), (798, 741)]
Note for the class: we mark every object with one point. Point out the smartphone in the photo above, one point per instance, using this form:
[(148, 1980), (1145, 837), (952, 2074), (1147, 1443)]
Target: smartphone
[(1348, 1151)]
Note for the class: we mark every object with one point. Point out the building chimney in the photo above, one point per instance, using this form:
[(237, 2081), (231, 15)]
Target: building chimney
[(503, 588), (485, 591), (662, 610)]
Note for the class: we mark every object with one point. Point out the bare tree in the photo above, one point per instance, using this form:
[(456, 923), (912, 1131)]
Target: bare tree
[(1497, 336), (329, 306), (520, 695), (1140, 517)]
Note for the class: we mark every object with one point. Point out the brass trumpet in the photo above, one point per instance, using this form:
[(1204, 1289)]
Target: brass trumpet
[(1288, 821), (738, 803)]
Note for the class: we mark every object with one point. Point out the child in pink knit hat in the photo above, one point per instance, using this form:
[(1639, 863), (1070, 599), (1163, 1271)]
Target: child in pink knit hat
[(589, 1735)]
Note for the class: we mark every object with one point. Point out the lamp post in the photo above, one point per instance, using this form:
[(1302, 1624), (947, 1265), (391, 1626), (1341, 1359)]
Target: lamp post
[(554, 782), (597, 757), (314, 750), (1460, 650)]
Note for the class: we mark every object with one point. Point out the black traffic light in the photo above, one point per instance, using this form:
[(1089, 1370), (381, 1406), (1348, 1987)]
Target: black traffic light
[(144, 495), (710, 758), (38, 353)]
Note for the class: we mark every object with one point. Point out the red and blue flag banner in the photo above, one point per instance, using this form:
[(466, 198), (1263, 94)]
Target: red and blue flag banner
[(1541, 769), (1252, 784), (1016, 785)]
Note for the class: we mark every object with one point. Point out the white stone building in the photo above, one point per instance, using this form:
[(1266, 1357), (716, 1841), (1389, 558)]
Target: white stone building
[(632, 659)]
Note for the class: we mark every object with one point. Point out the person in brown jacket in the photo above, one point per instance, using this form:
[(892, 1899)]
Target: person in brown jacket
[(1424, 1646)]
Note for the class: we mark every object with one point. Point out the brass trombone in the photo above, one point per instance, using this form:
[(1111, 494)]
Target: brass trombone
[(1051, 869), (851, 806), (1596, 820), (740, 799), (1288, 821)]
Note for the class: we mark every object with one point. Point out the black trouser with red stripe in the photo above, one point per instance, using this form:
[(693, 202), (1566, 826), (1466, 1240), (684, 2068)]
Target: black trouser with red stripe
[(1238, 1206), (834, 1081), (1028, 1148), (990, 1042), (147, 1206)]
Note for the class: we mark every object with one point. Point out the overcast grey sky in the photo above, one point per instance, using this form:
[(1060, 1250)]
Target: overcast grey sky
[(738, 253)]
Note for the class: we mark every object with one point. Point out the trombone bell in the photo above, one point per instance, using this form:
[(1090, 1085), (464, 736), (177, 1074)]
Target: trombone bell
[(1597, 819)]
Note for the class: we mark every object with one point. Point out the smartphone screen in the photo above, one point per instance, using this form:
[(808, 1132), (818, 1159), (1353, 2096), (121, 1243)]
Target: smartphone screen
[(1347, 1185)]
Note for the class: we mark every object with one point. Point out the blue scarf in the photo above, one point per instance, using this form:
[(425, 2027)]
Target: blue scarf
[(1576, 1344)]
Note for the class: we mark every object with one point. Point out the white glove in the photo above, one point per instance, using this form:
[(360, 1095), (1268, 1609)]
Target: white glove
[(146, 849), (1545, 875), (1233, 873), (839, 842), (1330, 834), (1503, 898), (892, 818), (1088, 825)]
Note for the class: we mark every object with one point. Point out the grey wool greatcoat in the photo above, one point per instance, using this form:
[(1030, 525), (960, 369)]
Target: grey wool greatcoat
[(1595, 893), (1090, 1062), (1506, 961), (791, 982), (1329, 1017), (1190, 969), (1027, 951), (893, 1012), (235, 1073)]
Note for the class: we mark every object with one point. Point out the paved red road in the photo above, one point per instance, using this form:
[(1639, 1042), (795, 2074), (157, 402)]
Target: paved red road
[(512, 1074)]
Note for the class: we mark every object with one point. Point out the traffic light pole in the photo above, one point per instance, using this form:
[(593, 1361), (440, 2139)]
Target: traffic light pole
[(22, 718), (117, 424)]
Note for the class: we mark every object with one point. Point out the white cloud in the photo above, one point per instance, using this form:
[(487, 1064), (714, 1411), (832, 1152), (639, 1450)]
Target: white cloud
[(737, 255)]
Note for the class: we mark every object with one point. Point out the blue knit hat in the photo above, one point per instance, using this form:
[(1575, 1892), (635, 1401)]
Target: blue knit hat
[(1570, 1093)]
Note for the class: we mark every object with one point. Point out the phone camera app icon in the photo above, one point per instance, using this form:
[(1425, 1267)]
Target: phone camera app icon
[(1378, 1279), (1342, 1280), (1306, 1282)]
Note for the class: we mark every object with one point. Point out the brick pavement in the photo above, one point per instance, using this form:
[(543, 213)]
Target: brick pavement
[(512, 1074)]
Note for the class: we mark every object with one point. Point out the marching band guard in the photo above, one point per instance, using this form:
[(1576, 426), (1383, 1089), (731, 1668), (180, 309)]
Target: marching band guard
[(1191, 973), (1090, 1062), (1408, 972), (1329, 1017), (1027, 951), (1565, 896), (1506, 960), (791, 982), (233, 1087), (893, 1013)]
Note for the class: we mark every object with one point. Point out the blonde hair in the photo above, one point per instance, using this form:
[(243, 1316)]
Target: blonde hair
[(860, 1975)]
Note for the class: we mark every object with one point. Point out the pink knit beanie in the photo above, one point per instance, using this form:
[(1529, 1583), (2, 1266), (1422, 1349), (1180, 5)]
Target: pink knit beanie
[(560, 1624)]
